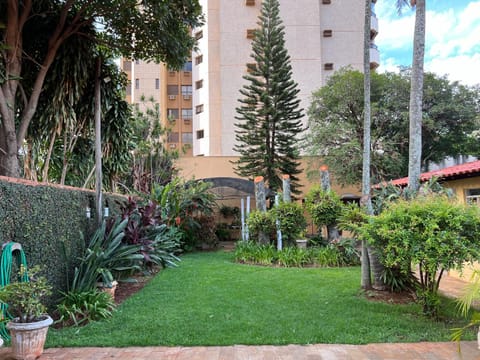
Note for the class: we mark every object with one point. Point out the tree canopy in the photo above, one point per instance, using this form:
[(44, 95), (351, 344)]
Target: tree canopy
[(150, 30), (451, 113)]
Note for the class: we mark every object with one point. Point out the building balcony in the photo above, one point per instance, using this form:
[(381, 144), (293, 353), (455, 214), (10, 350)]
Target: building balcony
[(374, 56), (373, 26)]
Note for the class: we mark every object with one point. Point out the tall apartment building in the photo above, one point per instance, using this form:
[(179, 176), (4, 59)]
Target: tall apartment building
[(321, 36), (171, 90)]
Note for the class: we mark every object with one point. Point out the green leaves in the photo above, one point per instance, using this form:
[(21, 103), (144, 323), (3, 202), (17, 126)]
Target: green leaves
[(432, 232)]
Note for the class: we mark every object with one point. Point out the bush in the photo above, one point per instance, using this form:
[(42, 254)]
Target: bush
[(80, 308), (325, 208), (261, 222), (158, 243), (292, 221), (431, 232), (105, 256), (47, 221)]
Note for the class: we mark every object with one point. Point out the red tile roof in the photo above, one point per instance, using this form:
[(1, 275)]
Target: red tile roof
[(456, 171)]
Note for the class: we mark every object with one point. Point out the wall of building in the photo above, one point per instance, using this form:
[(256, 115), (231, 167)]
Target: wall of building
[(201, 167), (226, 50)]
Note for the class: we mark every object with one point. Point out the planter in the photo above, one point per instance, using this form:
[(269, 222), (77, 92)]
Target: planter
[(301, 243), (108, 289), (28, 339)]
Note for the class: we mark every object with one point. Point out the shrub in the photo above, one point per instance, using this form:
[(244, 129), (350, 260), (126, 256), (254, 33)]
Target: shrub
[(431, 232), (105, 255), (80, 308), (157, 244), (292, 220), (325, 207), (261, 222)]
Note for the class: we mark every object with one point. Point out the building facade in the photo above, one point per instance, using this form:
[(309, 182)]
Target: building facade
[(149, 84), (321, 36)]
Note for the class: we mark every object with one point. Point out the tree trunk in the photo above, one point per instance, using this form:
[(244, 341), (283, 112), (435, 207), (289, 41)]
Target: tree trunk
[(366, 282), (416, 99), (98, 145)]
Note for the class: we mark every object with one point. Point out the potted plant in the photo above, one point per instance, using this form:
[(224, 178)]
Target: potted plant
[(29, 326)]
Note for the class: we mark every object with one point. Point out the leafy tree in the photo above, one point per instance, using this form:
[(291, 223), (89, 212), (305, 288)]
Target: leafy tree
[(269, 118), (432, 233), (450, 112), (325, 208), (158, 31)]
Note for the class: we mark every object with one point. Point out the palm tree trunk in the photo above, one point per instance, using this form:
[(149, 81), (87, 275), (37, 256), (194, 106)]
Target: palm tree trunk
[(416, 98), (366, 282)]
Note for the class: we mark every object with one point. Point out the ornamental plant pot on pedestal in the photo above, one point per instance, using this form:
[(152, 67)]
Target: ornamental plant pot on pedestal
[(301, 243), (28, 339)]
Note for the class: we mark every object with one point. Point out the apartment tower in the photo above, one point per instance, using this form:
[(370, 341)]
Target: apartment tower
[(321, 36), (171, 90)]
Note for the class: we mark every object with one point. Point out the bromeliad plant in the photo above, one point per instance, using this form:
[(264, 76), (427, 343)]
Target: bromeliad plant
[(105, 256)]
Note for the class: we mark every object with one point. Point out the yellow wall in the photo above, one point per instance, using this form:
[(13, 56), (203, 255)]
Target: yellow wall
[(201, 167), (459, 187)]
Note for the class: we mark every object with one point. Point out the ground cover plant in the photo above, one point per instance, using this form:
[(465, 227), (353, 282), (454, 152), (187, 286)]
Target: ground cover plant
[(210, 300)]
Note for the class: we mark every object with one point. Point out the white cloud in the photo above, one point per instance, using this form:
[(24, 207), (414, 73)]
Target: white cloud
[(462, 68), (452, 40)]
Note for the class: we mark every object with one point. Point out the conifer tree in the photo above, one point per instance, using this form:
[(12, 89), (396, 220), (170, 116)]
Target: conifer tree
[(269, 117)]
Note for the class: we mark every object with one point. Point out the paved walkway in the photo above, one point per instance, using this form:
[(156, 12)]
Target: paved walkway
[(396, 351)]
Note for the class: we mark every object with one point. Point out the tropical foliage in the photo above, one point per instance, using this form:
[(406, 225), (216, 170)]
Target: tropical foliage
[(432, 233)]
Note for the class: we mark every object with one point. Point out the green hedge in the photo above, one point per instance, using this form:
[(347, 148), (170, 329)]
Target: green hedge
[(46, 220)]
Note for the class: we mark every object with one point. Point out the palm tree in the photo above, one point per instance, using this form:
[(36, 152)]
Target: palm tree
[(416, 93), (366, 282)]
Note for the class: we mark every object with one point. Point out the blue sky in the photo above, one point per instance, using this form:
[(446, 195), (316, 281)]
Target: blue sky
[(452, 40)]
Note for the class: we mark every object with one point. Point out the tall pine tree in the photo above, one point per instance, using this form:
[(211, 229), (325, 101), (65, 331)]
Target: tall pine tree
[(269, 118)]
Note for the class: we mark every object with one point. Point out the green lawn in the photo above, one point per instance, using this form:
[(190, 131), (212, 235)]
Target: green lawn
[(209, 300)]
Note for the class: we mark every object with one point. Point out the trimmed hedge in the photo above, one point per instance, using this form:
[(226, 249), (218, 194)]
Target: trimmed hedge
[(48, 221)]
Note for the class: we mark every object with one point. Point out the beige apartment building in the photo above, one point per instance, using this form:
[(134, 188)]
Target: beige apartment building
[(198, 103), (171, 90), (321, 36)]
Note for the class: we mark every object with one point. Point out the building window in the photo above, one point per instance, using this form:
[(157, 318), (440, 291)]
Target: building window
[(250, 2), (172, 114), (472, 196), (199, 35), (198, 59), (200, 134), (187, 138), (171, 73), (127, 65), (326, 2), (250, 33), (172, 89), (328, 66), (187, 114), (327, 33), (137, 83), (172, 137), (199, 109), (198, 84), (187, 90), (187, 66), (129, 88), (157, 84)]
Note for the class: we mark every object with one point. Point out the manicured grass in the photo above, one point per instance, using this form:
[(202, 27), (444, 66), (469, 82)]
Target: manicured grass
[(209, 300)]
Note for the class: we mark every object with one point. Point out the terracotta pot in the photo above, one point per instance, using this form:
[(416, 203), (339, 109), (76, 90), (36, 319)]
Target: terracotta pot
[(108, 289), (28, 339)]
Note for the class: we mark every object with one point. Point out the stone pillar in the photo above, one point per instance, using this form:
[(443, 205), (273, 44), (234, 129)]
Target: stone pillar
[(287, 196)]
